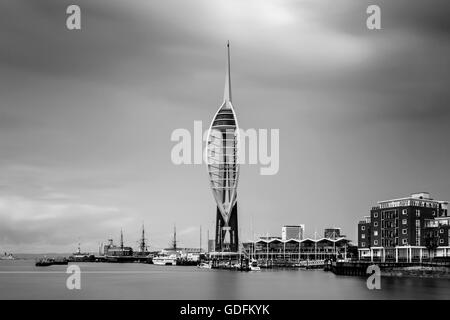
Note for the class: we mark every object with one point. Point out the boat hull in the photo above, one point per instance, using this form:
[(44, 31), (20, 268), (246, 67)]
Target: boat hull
[(164, 262)]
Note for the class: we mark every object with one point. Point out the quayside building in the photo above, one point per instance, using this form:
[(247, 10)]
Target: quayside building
[(293, 250), (409, 229)]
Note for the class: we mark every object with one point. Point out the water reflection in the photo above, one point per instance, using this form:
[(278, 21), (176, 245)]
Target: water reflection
[(140, 281)]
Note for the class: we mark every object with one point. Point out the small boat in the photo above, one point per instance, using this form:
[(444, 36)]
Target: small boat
[(236, 266), (44, 262), (7, 256), (254, 265), (308, 264), (205, 265), (60, 261), (165, 260)]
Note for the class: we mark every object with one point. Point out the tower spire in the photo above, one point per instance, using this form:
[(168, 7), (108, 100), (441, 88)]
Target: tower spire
[(227, 91)]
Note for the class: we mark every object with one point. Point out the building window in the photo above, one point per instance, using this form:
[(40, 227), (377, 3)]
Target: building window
[(417, 232), (375, 233), (441, 241), (404, 231), (404, 211), (362, 228), (363, 236), (375, 224), (440, 231), (404, 221), (375, 215), (434, 213), (375, 242), (405, 241), (417, 214), (363, 244)]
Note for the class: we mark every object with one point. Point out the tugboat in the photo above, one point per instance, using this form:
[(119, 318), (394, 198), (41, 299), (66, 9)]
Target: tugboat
[(80, 256)]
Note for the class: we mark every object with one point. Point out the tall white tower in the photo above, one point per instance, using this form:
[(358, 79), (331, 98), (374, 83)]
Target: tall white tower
[(223, 167)]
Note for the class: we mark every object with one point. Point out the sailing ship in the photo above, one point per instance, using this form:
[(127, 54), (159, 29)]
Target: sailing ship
[(119, 253)]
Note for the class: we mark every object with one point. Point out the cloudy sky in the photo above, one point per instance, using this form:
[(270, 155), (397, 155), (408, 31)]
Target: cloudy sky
[(86, 116)]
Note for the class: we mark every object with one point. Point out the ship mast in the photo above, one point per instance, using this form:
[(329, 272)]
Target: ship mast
[(174, 243), (142, 244), (200, 238), (121, 239)]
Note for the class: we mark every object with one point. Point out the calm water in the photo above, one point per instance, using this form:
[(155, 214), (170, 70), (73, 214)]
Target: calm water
[(142, 281)]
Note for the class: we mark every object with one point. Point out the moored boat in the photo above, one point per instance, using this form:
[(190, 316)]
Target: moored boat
[(165, 260), (254, 265), (60, 261), (205, 265), (44, 262), (7, 256)]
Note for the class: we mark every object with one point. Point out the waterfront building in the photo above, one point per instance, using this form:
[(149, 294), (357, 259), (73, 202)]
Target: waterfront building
[(292, 250), (223, 168), (332, 233), (269, 238), (364, 232), (293, 232), (211, 245), (403, 229), (437, 236), (111, 249)]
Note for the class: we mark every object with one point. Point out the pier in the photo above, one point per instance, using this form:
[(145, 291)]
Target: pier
[(359, 268), (240, 261)]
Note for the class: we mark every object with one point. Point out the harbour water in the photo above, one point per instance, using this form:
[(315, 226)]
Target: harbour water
[(20, 279)]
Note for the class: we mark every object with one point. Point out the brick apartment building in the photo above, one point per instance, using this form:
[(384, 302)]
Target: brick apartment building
[(409, 228)]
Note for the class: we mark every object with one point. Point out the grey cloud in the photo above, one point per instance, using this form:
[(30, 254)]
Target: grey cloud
[(35, 38), (406, 16), (89, 114), (32, 222)]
